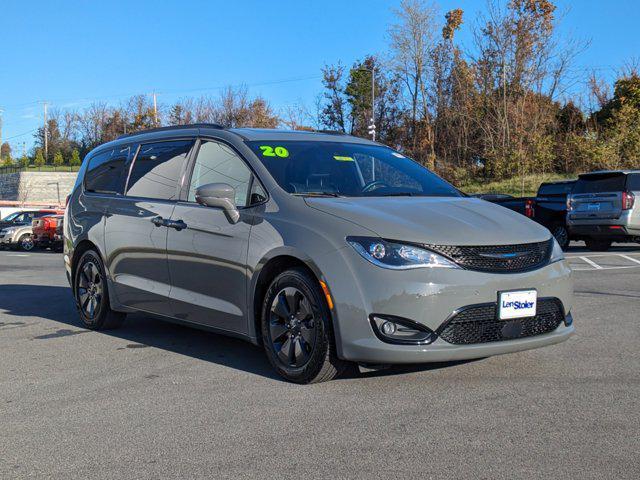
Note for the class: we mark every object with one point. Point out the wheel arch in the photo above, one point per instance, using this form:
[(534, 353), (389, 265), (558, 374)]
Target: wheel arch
[(268, 268)]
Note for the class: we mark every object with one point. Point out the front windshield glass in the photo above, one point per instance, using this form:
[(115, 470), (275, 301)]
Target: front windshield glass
[(347, 169), (11, 216)]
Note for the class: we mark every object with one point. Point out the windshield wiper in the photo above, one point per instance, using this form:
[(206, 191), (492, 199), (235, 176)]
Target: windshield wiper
[(398, 194), (317, 194)]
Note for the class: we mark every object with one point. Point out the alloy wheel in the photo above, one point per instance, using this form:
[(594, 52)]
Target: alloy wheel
[(26, 243), (292, 327), (90, 289)]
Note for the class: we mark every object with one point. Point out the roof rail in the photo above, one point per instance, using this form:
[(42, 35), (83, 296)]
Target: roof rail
[(172, 127)]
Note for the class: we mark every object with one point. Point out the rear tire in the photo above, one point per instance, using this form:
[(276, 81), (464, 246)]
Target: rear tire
[(91, 292), (598, 245), (296, 329), (561, 234)]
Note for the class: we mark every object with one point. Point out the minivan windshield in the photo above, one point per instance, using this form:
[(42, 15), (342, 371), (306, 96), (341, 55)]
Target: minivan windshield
[(347, 169)]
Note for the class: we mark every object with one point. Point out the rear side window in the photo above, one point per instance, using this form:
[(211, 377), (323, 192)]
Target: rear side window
[(600, 183), (156, 169), (633, 182), (105, 172)]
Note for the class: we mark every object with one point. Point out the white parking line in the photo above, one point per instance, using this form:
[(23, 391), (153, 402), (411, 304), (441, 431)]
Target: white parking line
[(630, 258), (591, 262), (18, 255)]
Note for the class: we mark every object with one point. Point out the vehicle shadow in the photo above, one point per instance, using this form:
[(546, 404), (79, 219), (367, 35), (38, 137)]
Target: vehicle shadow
[(142, 331)]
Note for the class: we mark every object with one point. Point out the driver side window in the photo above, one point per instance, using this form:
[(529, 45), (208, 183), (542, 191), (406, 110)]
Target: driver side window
[(218, 163)]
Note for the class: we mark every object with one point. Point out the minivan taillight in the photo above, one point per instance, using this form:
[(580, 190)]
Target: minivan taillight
[(529, 211), (628, 199), (569, 203)]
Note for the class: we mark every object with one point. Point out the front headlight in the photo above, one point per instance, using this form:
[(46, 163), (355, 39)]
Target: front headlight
[(556, 253), (397, 256)]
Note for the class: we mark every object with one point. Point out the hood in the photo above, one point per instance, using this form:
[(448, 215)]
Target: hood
[(435, 220)]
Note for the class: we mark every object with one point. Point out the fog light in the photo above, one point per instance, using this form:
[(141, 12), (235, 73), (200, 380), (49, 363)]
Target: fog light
[(388, 328), (392, 329)]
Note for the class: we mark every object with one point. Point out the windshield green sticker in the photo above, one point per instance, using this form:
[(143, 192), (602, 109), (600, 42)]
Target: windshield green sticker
[(343, 159), (269, 151)]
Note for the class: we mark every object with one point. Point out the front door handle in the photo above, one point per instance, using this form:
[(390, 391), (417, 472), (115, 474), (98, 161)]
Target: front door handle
[(158, 221), (177, 224)]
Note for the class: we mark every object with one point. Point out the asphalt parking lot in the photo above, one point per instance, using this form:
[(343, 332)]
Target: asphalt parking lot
[(156, 400)]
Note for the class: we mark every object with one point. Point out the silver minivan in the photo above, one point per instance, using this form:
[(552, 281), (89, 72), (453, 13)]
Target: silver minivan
[(602, 208), (327, 250)]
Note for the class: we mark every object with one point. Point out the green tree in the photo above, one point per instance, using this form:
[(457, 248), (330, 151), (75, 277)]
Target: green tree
[(24, 161), (39, 160), (58, 159), (7, 162), (75, 158)]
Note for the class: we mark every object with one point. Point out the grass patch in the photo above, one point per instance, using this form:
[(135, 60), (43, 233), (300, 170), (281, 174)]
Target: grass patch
[(512, 186)]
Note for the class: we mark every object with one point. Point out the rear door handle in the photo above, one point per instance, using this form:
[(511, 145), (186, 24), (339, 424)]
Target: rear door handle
[(158, 221), (177, 224)]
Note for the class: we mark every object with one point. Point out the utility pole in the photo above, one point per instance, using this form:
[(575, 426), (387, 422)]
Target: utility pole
[(46, 133), (371, 128), (1, 126), (155, 110)]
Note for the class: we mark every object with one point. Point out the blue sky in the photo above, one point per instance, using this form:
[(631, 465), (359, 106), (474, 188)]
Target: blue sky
[(72, 52)]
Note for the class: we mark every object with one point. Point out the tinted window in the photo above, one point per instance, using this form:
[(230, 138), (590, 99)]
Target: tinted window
[(608, 182), (218, 163), (156, 169), (25, 217), (347, 169), (555, 189), (633, 182), (105, 173)]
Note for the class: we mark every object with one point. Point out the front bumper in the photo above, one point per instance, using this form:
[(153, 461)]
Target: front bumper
[(7, 240), (429, 297)]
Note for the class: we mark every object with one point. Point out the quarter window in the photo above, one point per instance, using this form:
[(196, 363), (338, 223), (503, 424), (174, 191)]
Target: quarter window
[(218, 163), (105, 173), (156, 169)]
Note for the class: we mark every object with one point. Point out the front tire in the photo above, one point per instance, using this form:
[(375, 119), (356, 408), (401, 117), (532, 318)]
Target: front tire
[(25, 243), (296, 329), (598, 245), (92, 294)]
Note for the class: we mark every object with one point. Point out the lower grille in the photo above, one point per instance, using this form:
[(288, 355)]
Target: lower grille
[(498, 258), (479, 324)]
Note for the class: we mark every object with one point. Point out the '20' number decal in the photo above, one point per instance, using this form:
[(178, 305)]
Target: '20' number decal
[(269, 151)]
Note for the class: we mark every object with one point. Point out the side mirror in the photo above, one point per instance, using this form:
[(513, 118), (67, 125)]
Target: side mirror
[(220, 195)]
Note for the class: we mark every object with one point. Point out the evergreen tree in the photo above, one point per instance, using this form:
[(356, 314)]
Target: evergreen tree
[(75, 158), (58, 159), (39, 160), (24, 161)]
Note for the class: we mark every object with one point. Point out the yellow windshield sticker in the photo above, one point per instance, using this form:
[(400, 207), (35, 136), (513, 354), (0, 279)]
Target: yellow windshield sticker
[(269, 151), (343, 159)]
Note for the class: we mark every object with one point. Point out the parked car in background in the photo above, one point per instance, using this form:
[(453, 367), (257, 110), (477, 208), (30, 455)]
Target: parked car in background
[(548, 207), (26, 216), (47, 232), (16, 237), (602, 208)]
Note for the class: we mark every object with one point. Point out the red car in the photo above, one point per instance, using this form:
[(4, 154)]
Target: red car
[(47, 232)]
